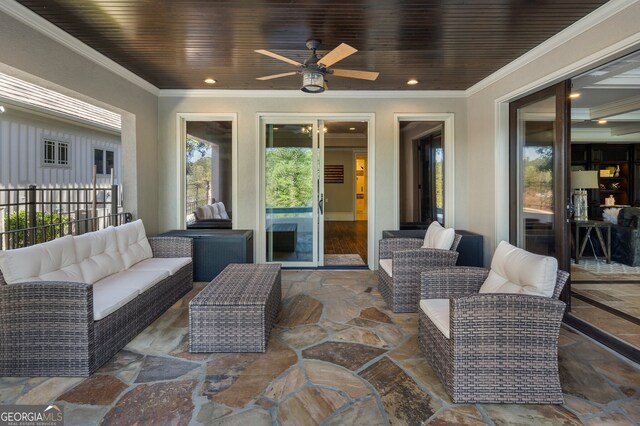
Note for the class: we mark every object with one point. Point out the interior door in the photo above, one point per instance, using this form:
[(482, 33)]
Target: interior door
[(539, 160), (291, 161)]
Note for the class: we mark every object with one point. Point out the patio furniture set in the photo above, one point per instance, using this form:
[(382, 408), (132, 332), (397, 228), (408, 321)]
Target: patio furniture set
[(68, 305), (491, 335)]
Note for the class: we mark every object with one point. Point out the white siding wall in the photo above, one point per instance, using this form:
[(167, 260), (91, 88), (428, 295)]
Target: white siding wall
[(21, 152)]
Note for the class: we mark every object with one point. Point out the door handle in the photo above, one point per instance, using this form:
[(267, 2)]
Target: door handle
[(321, 204)]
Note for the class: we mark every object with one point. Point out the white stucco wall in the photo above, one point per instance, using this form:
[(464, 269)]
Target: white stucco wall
[(487, 206)]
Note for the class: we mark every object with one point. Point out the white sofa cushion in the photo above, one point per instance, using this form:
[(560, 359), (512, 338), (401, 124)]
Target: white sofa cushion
[(169, 264), (132, 243), (387, 265), (108, 299), (140, 281), (438, 312), (222, 210), (215, 212), (98, 254), (514, 270), (438, 237), (54, 259)]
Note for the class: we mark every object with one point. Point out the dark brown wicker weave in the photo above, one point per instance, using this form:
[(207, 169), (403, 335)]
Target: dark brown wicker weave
[(236, 311), (47, 329), (402, 291), (503, 348)]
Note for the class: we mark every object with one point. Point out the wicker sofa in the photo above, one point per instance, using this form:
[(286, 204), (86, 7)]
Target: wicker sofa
[(68, 305)]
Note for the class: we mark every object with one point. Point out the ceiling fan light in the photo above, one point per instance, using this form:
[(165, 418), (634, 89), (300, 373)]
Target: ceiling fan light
[(312, 81)]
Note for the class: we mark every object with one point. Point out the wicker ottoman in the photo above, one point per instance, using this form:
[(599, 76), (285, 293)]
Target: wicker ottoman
[(236, 311)]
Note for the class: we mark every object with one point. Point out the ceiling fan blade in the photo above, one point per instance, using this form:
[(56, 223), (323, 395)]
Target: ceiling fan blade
[(364, 75), (337, 54), (284, 74), (280, 57)]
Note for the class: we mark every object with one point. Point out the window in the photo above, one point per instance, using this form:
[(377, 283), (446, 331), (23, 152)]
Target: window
[(56, 153), (104, 160)]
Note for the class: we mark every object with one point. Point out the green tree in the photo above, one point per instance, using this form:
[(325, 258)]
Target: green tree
[(289, 177)]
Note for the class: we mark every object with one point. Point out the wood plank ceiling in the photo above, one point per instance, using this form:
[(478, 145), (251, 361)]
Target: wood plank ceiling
[(446, 45)]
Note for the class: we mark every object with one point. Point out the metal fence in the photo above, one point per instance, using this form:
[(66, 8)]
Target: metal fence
[(33, 215)]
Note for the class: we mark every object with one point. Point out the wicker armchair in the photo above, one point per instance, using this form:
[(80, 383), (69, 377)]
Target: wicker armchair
[(501, 348), (401, 288)]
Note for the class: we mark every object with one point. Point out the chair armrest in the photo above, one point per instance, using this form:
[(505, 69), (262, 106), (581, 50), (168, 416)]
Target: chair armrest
[(171, 246), (450, 282), (388, 245), (506, 320)]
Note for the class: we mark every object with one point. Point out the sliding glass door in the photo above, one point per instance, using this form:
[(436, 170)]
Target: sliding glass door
[(292, 201), (539, 125)]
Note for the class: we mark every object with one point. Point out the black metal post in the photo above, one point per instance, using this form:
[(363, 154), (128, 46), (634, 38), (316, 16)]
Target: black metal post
[(114, 204), (31, 208)]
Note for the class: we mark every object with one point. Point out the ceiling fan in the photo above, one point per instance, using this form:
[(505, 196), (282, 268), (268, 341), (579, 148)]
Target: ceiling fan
[(315, 68)]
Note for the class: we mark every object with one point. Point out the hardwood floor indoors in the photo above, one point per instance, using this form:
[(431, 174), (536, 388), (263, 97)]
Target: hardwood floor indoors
[(342, 238)]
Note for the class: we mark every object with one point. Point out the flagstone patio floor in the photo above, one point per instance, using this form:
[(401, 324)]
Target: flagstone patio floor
[(337, 356)]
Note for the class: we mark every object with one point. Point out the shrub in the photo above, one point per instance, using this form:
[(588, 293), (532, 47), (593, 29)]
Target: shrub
[(51, 227)]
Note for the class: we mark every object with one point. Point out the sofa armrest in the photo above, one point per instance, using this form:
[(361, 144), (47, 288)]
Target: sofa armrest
[(46, 329), (388, 245), (450, 282), (171, 246), (518, 322)]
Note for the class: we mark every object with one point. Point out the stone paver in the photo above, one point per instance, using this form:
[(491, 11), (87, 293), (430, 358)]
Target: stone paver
[(337, 356)]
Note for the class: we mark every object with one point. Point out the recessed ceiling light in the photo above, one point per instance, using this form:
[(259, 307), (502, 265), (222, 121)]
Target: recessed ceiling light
[(412, 81), (352, 128), (210, 81), (276, 128), (602, 121), (574, 95), (1, 109)]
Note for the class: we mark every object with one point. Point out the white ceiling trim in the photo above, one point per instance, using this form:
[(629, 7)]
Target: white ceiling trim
[(38, 23), (591, 20), (345, 94), (615, 108)]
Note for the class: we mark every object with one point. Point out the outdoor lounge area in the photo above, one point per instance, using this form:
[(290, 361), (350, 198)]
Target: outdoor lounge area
[(320, 212), (337, 355)]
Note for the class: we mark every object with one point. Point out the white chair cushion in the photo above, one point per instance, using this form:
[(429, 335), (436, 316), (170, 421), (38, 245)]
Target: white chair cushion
[(132, 243), (140, 281), (215, 211), (169, 264), (438, 312), (107, 299), (203, 213), (514, 270), (438, 237), (223, 211), (98, 254), (387, 265), (38, 261)]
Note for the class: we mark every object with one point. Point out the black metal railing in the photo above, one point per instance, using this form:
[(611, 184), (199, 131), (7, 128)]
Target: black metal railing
[(33, 215), (197, 196)]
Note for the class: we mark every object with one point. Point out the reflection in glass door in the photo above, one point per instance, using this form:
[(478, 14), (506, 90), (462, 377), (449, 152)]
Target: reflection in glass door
[(290, 188), (538, 157)]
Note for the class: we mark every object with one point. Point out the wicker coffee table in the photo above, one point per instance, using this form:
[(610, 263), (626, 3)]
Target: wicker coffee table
[(236, 311)]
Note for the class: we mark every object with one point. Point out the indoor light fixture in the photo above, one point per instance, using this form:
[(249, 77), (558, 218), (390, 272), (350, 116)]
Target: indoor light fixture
[(574, 95), (312, 80), (352, 128), (412, 81), (580, 182), (602, 121), (210, 81), (2, 110)]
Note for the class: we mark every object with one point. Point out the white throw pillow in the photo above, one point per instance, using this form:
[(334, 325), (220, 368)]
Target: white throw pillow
[(222, 210), (438, 237), (514, 270), (132, 243), (98, 254), (215, 214), (38, 261)]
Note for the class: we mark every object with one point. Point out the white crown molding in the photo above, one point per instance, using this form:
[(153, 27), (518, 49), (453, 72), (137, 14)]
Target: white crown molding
[(343, 94), (38, 23), (622, 106), (591, 20)]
